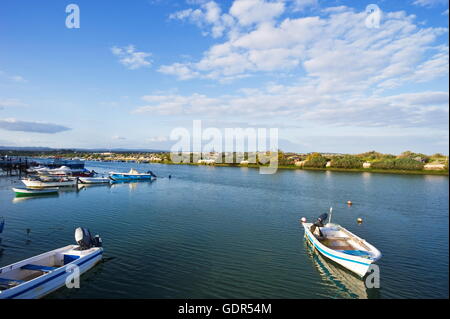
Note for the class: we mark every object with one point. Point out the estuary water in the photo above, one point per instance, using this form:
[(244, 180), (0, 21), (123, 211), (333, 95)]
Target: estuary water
[(224, 232)]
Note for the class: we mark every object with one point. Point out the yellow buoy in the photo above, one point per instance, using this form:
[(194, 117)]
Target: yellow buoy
[(349, 203), (359, 220)]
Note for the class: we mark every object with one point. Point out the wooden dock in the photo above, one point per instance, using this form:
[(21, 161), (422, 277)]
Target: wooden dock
[(12, 165)]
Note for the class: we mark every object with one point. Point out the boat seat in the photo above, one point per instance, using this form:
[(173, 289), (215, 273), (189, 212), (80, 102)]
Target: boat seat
[(10, 282), (38, 268), (336, 238)]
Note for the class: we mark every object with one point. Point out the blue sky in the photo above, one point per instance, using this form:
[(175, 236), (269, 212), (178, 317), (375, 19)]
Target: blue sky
[(135, 70)]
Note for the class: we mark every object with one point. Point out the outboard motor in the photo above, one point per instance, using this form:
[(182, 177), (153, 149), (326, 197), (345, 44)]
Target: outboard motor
[(319, 223), (151, 173), (98, 241), (84, 238)]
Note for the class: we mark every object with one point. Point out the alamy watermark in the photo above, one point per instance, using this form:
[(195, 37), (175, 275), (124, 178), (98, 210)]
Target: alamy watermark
[(73, 277), (230, 146), (374, 15), (373, 277), (73, 17)]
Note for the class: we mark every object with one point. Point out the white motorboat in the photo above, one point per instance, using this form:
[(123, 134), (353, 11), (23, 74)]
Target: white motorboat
[(40, 275), (95, 180), (50, 182), (341, 246)]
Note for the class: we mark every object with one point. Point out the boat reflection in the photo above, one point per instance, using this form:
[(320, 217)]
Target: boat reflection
[(90, 186), (133, 185), (347, 284), (17, 200)]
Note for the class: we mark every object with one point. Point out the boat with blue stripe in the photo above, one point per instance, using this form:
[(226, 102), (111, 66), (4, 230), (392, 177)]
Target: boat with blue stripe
[(132, 175), (341, 246), (40, 275)]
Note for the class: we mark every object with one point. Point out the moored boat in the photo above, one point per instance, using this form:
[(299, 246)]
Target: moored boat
[(341, 246), (95, 180), (40, 275), (65, 171), (132, 175), (50, 182), (23, 192)]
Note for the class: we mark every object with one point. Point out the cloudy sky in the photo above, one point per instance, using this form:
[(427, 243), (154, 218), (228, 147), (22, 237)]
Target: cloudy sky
[(325, 74)]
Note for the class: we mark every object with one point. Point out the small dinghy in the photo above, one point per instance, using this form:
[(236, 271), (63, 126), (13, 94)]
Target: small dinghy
[(38, 276), (132, 175), (95, 180), (25, 192), (341, 246)]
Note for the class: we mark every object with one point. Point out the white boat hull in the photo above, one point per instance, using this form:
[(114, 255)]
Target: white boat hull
[(357, 265), (53, 280), (94, 180), (42, 184)]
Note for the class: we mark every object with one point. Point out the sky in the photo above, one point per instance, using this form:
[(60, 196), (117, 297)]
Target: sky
[(328, 74)]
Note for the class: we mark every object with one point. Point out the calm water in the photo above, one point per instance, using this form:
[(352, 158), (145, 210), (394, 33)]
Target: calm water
[(213, 232)]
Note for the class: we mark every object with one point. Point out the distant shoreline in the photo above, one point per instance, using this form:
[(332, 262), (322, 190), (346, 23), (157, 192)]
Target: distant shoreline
[(293, 167)]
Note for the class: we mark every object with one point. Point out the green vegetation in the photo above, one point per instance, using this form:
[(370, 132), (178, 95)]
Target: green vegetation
[(315, 160), (398, 163), (347, 161), (373, 155)]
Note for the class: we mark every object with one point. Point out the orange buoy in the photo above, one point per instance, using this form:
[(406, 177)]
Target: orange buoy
[(349, 203)]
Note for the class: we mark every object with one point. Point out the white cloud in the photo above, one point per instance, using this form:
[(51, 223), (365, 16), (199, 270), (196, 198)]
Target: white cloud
[(209, 15), (341, 70), (430, 3), (336, 49), (249, 12), (181, 70), (18, 78), (13, 78), (118, 138), (32, 127), (129, 57), (158, 139), (301, 5), (305, 104), (11, 103)]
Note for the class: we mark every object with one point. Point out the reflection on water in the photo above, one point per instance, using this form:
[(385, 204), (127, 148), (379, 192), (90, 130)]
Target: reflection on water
[(23, 199), (131, 185), (344, 282)]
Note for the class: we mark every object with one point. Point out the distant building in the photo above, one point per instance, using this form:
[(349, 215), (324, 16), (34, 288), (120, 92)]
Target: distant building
[(300, 163), (434, 166), (206, 161), (367, 165)]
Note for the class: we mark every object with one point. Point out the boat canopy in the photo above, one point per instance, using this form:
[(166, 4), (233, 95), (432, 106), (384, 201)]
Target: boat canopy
[(133, 171)]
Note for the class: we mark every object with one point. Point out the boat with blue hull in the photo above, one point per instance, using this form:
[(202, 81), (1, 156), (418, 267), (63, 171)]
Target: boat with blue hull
[(40, 275), (132, 175)]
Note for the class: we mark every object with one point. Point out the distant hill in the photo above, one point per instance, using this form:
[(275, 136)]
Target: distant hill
[(93, 150)]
